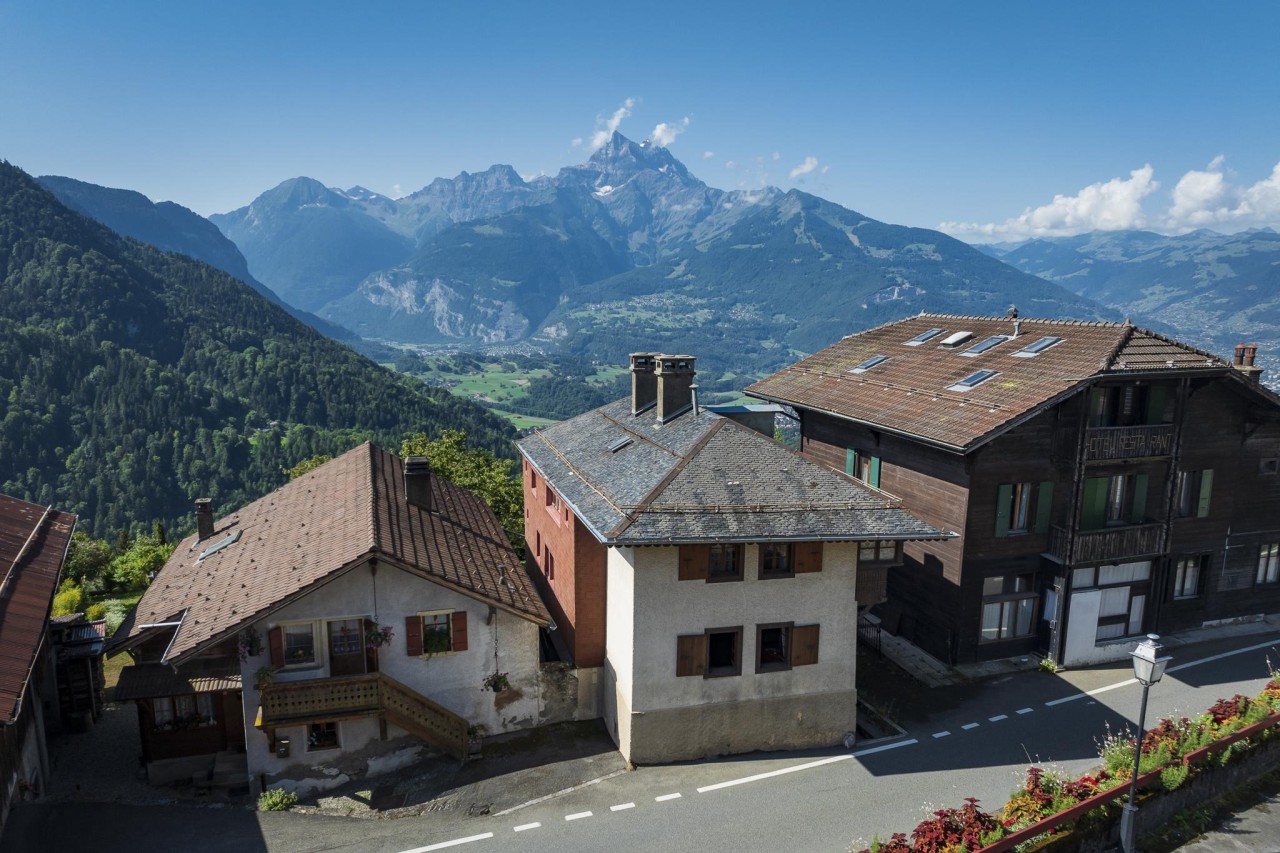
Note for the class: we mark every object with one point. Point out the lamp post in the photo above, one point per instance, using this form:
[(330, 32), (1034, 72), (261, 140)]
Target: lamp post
[(1148, 668)]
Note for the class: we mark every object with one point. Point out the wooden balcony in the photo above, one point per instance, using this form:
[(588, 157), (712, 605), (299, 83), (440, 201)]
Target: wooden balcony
[(293, 703), (1112, 545), (1129, 442)]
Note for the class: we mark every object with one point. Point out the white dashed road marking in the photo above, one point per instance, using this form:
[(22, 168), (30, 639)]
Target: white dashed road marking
[(997, 718), (968, 726), (622, 807), (942, 734), (666, 797), (1025, 710), (522, 827), (577, 815)]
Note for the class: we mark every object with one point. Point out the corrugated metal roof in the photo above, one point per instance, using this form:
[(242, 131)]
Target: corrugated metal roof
[(33, 545), (911, 392), (148, 680)]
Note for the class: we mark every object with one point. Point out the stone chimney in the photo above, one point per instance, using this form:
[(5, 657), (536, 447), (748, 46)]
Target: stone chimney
[(644, 385), (204, 518), (675, 380), (1245, 355), (417, 482)]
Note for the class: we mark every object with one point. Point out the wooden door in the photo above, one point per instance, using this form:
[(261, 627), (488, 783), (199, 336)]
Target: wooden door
[(346, 647)]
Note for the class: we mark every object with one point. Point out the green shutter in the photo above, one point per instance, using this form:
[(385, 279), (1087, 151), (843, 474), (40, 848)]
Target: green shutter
[(874, 478), (850, 459), (1093, 511), (1004, 499), (1138, 509), (1206, 490), (1156, 396), (1044, 507)]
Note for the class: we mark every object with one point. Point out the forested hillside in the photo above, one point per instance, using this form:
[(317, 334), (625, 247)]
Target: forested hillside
[(132, 381)]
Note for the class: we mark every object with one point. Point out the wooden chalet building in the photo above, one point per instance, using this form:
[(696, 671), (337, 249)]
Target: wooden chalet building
[(33, 547), (1105, 480), (332, 628), (710, 576)]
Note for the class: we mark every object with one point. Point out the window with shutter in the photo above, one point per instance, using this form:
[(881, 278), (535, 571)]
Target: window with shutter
[(808, 557), (773, 647), (691, 655), (724, 652), (459, 620), (693, 562), (275, 641), (777, 560), (804, 645), (413, 636)]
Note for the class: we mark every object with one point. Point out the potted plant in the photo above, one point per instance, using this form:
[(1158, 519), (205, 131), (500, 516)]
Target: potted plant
[(378, 636), (249, 644), (263, 677), (497, 681)]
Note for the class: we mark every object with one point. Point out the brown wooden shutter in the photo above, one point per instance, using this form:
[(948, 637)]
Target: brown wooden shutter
[(275, 641), (413, 636), (693, 562), (459, 619), (691, 655), (808, 557), (804, 645)]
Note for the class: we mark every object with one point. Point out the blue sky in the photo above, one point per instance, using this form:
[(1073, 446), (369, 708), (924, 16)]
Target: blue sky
[(999, 120)]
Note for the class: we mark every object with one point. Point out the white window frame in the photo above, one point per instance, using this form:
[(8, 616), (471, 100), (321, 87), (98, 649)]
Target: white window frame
[(1187, 571), (1268, 563), (448, 624), (319, 642)]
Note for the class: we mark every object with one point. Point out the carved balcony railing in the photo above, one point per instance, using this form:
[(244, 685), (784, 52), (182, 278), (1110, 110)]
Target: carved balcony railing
[(292, 703), (1128, 442), (1113, 544)]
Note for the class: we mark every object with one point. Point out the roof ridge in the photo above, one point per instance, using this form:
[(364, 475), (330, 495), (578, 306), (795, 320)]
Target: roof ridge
[(374, 527), (661, 486), (1033, 320), (629, 431)]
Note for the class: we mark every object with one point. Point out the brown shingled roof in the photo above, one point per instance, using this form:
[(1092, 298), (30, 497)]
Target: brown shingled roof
[(33, 545), (909, 394), (309, 530)]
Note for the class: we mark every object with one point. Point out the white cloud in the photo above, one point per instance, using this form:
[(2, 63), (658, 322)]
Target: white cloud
[(1105, 206), (606, 127), (576, 142), (825, 169), (810, 163), (777, 155), (664, 134), (1204, 199), (396, 192), (731, 164), (707, 155)]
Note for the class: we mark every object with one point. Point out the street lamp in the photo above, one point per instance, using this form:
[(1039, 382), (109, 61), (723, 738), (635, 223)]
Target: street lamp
[(1148, 668)]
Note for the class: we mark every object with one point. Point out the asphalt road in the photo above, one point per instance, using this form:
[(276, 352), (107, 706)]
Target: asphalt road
[(810, 801)]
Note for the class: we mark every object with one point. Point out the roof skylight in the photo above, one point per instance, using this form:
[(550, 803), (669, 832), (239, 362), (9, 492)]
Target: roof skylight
[(619, 443), (1033, 350), (869, 363), (984, 345), (955, 339), (230, 539), (922, 337), (973, 380)]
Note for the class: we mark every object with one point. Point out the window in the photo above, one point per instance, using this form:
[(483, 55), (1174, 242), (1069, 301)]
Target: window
[(922, 337), (435, 632), (1128, 405), (724, 562), (1023, 507), (861, 465), (1110, 501), (188, 711), (1186, 575), (878, 551), (1268, 466), (322, 736), (300, 644), (773, 647), (346, 637), (551, 500), (777, 560), (1033, 350), (1194, 491), (1124, 595), (973, 380), (984, 345), (869, 363), (533, 478), (549, 565), (162, 713), (1008, 607), (1269, 563)]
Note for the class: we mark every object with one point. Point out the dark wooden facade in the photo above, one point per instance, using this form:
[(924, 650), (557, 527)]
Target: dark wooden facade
[(1076, 464)]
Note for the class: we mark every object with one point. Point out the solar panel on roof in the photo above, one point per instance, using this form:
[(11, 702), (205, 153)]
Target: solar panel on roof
[(972, 380), (922, 337), (984, 345), (1034, 349), (869, 363)]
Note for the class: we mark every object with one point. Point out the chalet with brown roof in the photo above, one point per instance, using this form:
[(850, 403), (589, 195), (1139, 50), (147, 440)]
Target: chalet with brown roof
[(1105, 480), (344, 620), (33, 547)]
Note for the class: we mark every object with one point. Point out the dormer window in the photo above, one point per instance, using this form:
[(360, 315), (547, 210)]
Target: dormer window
[(922, 337), (1033, 350), (869, 363), (973, 380), (955, 339), (982, 346)]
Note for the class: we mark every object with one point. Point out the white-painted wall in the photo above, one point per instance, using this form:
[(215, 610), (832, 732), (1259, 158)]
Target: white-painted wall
[(452, 680)]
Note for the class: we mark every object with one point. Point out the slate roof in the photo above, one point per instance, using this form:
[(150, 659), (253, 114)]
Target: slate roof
[(311, 529), (703, 478), (33, 546), (908, 393)]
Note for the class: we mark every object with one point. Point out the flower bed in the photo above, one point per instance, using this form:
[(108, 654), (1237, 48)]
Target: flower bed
[(1047, 804)]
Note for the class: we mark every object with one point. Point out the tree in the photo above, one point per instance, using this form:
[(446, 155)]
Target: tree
[(306, 466), (87, 560), (135, 567), (476, 469)]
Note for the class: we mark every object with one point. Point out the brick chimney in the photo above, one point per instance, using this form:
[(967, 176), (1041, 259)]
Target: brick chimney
[(644, 386), (675, 380), (204, 518), (1238, 361), (417, 482), (1245, 355)]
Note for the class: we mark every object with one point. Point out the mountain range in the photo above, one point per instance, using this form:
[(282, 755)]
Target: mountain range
[(1213, 290), (628, 251), (133, 380)]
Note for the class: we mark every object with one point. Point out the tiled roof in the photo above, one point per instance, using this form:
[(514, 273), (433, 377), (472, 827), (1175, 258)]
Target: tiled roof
[(33, 545), (909, 393), (702, 477), (330, 519), (148, 680)]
